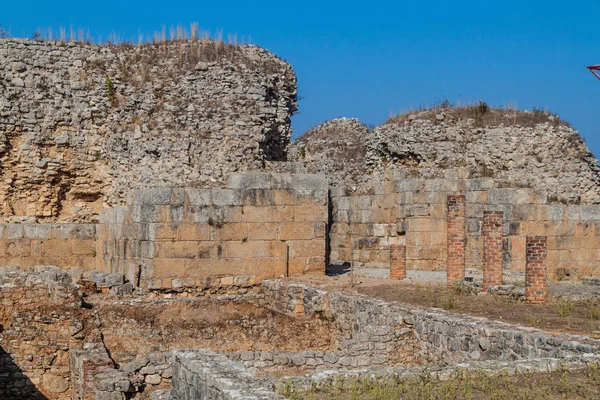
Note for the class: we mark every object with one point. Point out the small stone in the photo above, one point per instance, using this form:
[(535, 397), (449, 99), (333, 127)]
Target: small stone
[(154, 379)]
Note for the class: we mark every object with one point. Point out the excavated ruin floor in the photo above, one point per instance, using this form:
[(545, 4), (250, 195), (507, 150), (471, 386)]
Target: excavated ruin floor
[(134, 328), (563, 313)]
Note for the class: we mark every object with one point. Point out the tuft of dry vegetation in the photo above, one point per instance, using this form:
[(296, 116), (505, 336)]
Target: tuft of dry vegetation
[(177, 33), (482, 115), (583, 383)]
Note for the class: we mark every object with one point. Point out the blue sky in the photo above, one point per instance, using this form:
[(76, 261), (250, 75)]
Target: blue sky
[(370, 59)]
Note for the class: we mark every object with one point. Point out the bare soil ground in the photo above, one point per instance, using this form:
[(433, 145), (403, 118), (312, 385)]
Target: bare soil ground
[(580, 317), (562, 384), (131, 331)]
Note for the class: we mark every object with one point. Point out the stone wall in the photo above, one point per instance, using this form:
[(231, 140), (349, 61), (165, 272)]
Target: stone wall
[(374, 330), (41, 322), (262, 226), (204, 374), (62, 245), (81, 125), (410, 207)]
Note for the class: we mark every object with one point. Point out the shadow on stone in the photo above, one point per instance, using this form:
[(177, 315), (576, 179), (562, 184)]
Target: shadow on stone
[(14, 385)]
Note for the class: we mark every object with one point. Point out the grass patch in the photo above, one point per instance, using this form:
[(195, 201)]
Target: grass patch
[(564, 308), (583, 383)]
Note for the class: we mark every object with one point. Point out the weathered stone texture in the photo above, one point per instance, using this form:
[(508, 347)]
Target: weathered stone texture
[(546, 156), (262, 226), (81, 125), (62, 245), (337, 149)]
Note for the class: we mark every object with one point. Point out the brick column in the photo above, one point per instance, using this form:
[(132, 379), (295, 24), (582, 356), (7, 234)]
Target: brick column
[(455, 268), (492, 248), (536, 270), (397, 262)]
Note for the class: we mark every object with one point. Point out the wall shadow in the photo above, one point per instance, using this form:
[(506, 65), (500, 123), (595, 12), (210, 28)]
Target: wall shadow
[(14, 385)]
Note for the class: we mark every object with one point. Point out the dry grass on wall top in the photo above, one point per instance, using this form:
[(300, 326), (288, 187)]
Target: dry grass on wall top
[(483, 115)]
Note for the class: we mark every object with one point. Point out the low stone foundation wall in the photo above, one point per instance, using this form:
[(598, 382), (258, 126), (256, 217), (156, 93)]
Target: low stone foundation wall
[(441, 336), (205, 374)]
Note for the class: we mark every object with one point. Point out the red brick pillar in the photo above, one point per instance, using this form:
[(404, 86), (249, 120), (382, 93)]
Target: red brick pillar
[(536, 270), (397, 262), (492, 248), (455, 268)]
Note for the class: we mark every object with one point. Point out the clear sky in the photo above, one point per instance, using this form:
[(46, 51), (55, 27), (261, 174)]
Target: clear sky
[(370, 59)]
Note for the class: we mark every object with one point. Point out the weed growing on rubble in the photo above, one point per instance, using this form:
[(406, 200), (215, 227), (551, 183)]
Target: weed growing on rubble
[(448, 301), (110, 92), (564, 308), (595, 313)]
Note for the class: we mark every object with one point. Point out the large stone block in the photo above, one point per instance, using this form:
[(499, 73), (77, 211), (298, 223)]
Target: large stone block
[(15, 231), (246, 181), (84, 247), (306, 248), (229, 232), (162, 231), (297, 231), (198, 197), (152, 196), (309, 181), (56, 248), (169, 267), (245, 249), (226, 197), (263, 231), (37, 231), (257, 197), (198, 231), (63, 231), (259, 214)]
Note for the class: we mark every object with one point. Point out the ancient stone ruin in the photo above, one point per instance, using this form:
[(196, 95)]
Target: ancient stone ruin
[(153, 208)]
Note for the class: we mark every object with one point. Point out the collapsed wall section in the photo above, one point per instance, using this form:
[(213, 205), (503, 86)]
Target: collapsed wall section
[(81, 125)]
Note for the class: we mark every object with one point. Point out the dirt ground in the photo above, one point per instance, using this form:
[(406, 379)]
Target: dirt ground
[(130, 331), (557, 315)]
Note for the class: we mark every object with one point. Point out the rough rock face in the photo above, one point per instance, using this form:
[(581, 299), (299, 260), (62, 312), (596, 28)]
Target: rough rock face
[(80, 125), (337, 149), (529, 149)]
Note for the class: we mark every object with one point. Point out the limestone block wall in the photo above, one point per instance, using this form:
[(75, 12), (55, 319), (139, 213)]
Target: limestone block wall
[(410, 208), (261, 226), (62, 245)]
